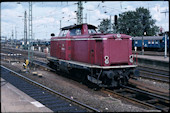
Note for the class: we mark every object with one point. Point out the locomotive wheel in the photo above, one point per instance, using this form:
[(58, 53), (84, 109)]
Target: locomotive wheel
[(123, 81)]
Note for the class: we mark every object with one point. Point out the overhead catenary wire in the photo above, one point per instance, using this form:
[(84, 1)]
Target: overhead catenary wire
[(54, 12)]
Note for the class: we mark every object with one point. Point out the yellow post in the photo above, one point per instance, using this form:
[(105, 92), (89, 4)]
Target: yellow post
[(26, 62)]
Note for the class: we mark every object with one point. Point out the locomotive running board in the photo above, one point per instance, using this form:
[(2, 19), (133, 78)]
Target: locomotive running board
[(91, 65)]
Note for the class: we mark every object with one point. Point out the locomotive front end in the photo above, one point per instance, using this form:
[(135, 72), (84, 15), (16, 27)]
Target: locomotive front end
[(117, 61), (118, 50)]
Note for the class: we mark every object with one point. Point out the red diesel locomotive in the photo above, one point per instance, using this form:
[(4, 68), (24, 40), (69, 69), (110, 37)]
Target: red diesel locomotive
[(103, 59)]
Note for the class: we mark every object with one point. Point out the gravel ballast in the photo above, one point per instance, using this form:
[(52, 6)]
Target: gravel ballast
[(80, 92)]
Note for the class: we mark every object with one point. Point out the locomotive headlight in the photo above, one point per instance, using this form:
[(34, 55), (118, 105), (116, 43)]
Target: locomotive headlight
[(106, 60), (131, 58), (118, 35)]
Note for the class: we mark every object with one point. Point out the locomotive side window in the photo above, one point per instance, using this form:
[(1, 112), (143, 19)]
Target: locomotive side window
[(78, 31), (63, 33), (75, 31), (91, 31)]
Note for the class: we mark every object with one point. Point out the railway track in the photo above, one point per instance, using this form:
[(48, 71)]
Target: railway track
[(158, 103), (138, 96), (154, 74), (145, 72), (12, 54), (54, 100), (23, 52)]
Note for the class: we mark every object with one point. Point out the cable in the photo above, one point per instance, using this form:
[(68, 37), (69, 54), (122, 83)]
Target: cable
[(51, 12)]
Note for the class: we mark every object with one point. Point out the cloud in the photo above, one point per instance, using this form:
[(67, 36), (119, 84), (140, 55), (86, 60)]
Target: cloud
[(155, 11), (47, 15), (10, 19), (54, 4), (8, 5), (160, 17), (45, 20)]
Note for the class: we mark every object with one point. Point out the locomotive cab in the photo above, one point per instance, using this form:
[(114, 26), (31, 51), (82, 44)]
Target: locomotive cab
[(106, 59)]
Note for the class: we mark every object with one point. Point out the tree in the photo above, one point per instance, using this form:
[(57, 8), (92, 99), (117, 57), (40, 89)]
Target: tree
[(104, 26), (135, 23)]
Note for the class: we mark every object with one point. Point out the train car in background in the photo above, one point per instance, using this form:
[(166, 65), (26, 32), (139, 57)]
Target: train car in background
[(3, 39), (19, 42), (150, 42)]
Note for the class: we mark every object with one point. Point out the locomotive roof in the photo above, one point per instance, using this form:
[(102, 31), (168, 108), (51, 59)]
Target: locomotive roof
[(77, 26), (148, 38)]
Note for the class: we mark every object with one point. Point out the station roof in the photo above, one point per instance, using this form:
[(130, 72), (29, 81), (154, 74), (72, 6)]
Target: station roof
[(148, 38), (77, 26)]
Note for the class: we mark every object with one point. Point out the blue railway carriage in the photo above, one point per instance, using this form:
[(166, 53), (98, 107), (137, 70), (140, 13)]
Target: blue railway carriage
[(150, 42)]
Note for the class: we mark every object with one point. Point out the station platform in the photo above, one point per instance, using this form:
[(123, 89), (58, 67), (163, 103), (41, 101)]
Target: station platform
[(157, 61), (14, 100), (154, 58)]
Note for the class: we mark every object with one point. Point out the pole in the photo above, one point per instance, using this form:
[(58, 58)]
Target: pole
[(60, 24), (86, 17), (110, 24), (89, 17), (165, 37), (142, 45), (25, 28), (15, 35), (12, 38), (165, 45), (79, 12), (30, 53)]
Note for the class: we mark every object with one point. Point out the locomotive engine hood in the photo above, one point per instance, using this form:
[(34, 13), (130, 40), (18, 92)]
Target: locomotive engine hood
[(116, 48), (113, 36)]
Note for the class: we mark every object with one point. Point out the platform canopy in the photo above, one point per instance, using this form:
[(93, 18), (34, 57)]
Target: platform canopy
[(148, 38)]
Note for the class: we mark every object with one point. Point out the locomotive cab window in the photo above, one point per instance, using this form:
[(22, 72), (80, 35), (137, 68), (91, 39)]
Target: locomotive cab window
[(63, 33)]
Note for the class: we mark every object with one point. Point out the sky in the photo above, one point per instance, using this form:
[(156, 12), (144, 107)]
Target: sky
[(46, 16)]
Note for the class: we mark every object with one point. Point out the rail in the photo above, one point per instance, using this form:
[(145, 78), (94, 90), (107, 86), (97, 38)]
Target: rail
[(141, 97), (53, 91), (154, 74)]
